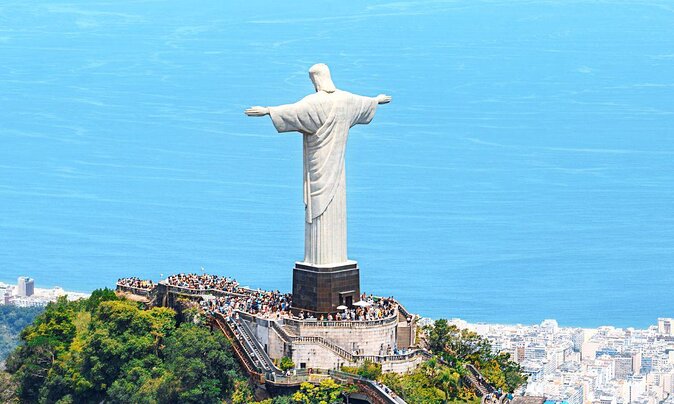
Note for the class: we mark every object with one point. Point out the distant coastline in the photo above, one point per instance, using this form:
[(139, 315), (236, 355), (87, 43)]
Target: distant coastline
[(49, 287), (24, 293), (650, 322)]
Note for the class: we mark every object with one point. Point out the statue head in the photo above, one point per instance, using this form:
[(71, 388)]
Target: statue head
[(320, 76)]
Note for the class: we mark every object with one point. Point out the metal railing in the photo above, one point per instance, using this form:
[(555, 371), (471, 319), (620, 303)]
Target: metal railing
[(245, 291), (478, 381), (382, 392), (282, 332), (343, 323), (199, 292), (404, 311), (247, 345), (270, 366), (244, 357), (394, 358), (333, 347)]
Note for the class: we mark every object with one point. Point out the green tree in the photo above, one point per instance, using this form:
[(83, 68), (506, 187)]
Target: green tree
[(437, 336), (327, 392), (8, 388), (278, 400), (242, 392), (141, 381), (48, 337), (457, 347), (201, 362), (13, 319), (448, 380), (120, 333), (111, 350), (415, 387), (512, 372), (286, 364), (369, 370), (192, 314), (98, 296)]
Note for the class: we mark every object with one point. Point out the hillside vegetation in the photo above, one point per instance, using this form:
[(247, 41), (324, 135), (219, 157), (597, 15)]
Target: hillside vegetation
[(12, 320), (106, 349), (442, 378)]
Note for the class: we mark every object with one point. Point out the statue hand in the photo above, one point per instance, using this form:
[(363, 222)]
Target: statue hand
[(257, 111), (383, 99)]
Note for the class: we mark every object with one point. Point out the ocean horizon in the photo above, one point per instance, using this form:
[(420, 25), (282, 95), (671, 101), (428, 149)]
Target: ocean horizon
[(523, 171)]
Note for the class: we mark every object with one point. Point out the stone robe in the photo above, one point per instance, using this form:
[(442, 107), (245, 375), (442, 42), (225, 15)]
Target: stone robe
[(324, 119)]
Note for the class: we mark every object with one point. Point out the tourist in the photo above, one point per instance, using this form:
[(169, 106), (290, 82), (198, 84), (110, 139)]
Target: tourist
[(137, 283), (229, 297)]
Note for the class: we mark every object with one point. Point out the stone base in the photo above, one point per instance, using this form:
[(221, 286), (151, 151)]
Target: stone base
[(321, 288)]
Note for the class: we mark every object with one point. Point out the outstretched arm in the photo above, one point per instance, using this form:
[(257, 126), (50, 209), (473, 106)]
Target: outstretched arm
[(297, 117), (383, 99), (364, 108), (257, 111)]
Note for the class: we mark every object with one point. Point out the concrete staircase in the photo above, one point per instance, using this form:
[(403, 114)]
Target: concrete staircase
[(256, 348), (478, 382), (406, 330)]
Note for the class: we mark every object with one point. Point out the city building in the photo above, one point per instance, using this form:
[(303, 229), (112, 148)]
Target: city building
[(666, 326), (21, 286), (581, 365), (25, 294)]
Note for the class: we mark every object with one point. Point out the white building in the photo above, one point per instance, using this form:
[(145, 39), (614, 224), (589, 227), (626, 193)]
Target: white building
[(666, 326), (25, 286)]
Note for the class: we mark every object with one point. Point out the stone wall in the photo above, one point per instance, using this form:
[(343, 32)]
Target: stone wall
[(273, 345), (402, 366), (277, 347), (367, 340), (316, 356)]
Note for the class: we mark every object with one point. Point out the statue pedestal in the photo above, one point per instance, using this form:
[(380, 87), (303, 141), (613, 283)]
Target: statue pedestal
[(319, 289)]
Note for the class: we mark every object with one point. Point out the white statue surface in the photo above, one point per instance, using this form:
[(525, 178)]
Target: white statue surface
[(324, 119)]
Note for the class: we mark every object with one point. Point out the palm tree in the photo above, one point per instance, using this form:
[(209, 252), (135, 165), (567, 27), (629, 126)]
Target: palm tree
[(431, 368), (448, 380)]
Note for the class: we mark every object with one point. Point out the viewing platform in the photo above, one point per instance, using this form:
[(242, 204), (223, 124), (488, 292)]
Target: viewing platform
[(374, 329), (263, 328)]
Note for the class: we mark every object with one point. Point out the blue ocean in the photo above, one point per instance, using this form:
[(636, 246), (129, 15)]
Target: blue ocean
[(523, 171)]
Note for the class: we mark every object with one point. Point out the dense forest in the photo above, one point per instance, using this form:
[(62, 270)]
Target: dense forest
[(107, 349), (12, 320)]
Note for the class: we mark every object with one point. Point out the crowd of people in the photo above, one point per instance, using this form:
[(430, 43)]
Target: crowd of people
[(266, 303), (136, 283), (204, 281), (258, 302), (369, 308)]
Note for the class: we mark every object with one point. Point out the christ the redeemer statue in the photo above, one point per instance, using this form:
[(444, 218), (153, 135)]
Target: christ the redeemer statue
[(324, 119)]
